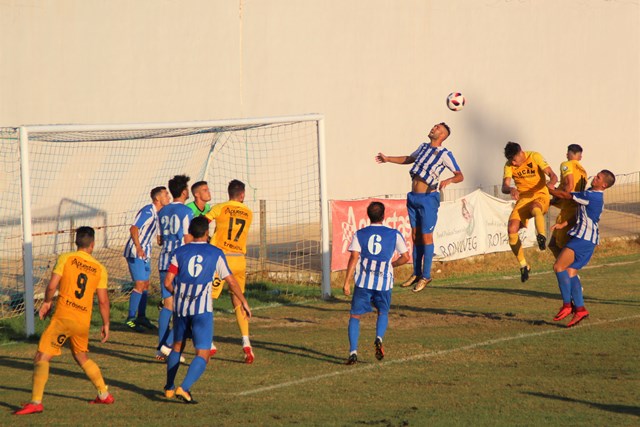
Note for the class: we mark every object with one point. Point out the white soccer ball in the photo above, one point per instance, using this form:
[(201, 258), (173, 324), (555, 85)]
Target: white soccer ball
[(455, 101)]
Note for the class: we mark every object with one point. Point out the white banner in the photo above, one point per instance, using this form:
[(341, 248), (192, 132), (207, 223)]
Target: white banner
[(473, 225)]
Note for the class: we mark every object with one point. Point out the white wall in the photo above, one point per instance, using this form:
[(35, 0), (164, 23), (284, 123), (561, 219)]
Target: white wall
[(544, 73)]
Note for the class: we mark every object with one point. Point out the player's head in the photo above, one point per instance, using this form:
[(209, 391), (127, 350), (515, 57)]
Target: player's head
[(574, 152), (439, 132), (85, 236), (160, 195), (514, 154), (199, 227), (200, 190), (375, 212), (236, 190), (178, 185), (603, 180)]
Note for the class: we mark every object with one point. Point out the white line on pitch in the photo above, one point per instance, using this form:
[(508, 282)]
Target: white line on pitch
[(430, 354)]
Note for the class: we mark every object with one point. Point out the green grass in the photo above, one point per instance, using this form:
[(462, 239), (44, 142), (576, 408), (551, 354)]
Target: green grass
[(469, 350)]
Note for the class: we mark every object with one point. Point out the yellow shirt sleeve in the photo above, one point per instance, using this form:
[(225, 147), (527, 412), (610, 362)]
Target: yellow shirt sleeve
[(540, 161), (508, 170)]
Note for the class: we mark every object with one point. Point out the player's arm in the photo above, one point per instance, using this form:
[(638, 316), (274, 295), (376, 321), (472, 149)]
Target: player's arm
[(49, 293), (234, 287), (402, 259), (168, 280), (508, 189), (135, 237), (456, 178), (553, 178), (351, 267), (567, 183), (103, 304), (400, 160), (560, 194)]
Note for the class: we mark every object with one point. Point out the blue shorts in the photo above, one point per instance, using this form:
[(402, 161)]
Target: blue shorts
[(423, 211), (140, 269), (198, 327), (363, 299), (164, 291), (582, 250)]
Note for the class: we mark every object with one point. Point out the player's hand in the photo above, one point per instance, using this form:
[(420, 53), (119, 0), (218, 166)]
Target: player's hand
[(381, 158), (515, 195), (444, 183), (45, 308), (346, 289), (140, 253), (247, 310), (104, 332), (559, 226)]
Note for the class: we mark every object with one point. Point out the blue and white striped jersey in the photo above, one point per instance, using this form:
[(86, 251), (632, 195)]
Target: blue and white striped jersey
[(430, 162), (590, 207), (147, 223), (376, 244), (174, 222), (194, 266)]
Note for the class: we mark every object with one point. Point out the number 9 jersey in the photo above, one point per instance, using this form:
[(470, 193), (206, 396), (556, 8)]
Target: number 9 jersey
[(81, 274), (233, 220)]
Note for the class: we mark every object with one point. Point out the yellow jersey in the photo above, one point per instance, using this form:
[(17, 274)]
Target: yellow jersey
[(81, 274), (529, 177), (573, 167), (233, 220)]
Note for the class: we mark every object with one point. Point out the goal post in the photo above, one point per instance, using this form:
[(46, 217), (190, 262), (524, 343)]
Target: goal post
[(101, 175)]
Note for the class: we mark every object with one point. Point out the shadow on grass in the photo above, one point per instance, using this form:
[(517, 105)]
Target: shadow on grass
[(611, 407)]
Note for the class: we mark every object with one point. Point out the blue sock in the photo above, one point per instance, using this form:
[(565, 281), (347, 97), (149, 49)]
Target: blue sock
[(165, 334), (354, 333), (428, 260), (418, 254), (564, 283), (173, 363), (134, 302), (576, 291), (142, 307), (196, 369), (381, 324)]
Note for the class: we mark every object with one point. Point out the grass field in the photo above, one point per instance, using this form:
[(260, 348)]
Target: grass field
[(477, 349)]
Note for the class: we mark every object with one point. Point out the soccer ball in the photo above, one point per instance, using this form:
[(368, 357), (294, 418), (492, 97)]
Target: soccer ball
[(455, 101)]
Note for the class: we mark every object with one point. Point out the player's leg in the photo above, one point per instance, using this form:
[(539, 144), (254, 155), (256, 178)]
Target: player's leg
[(92, 371), (165, 334), (360, 304), (216, 290), (382, 302), (142, 318), (583, 250), (538, 209), (140, 272), (201, 328), (565, 259), (518, 215), (417, 252), (238, 266), (180, 330)]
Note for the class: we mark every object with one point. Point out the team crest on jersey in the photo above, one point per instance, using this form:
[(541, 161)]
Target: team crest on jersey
[(530, 165), (565, 168)]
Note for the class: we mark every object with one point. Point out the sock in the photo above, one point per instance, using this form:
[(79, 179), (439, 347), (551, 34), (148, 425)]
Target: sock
[(40, 377), (428, 260), (354, 334), (418, 254), (381, 324), (576, 291), (245, 341), (142, 306), (564, 283), (538, 218), (93, 372), (173, 363), (134, 302), (196, 369), (243, 322), (165, 334), (516, 248)]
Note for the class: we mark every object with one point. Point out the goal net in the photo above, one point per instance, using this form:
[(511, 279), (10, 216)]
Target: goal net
[(101, 175)]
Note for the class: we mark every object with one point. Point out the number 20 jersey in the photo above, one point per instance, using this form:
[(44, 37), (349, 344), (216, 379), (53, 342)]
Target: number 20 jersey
[(233, 220), (81, 275)]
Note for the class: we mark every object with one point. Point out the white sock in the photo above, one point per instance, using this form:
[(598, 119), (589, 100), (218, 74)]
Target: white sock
[(245, 341)]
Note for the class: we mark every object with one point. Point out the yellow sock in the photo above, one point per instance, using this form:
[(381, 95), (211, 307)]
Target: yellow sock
[(516, 248), (40, 377), (93, 372), (538, 217), (243, 322)]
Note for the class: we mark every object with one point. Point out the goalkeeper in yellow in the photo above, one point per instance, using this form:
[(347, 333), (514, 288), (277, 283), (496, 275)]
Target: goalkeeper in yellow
[(233, 219), (528, 170), (76, 277), (573, 179)]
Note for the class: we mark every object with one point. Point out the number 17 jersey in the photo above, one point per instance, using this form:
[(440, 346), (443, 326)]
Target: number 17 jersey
[(233, 220)]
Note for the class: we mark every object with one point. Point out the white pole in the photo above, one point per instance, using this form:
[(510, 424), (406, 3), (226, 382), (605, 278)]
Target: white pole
[(27, 238), (324, 214)]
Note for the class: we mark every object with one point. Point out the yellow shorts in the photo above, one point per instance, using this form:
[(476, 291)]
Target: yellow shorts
[(238, 267), (61, 330), (522, 210), (560, 236)]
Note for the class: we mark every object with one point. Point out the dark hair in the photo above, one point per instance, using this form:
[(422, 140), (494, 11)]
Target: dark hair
[(197, 185), (446, 126), (574, 148), (235, 188), (375, 212), (178, 184), (609, 177), (198, 226), (511, 149), (84, 237), (157, 190)]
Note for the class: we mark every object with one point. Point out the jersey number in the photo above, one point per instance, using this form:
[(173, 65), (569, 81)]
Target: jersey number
[(238, 221), (374, 245), (82, 285), (195, 265), (170, 224)]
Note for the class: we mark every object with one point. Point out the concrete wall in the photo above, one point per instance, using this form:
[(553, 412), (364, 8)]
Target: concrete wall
[(545, 73)]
